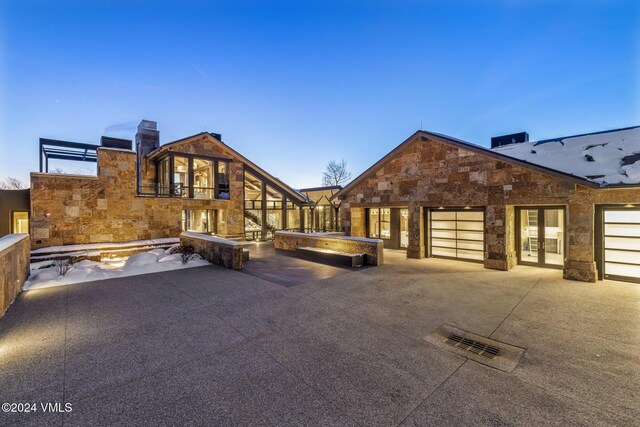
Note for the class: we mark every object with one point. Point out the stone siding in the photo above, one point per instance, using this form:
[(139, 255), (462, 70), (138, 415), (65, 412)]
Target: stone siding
[(72, 209), (14, 267), (372, 248), (430, 173), (226, 253)]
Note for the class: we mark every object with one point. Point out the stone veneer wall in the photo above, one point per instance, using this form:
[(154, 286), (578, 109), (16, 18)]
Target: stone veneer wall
[(430, 173), (372, 248), (71, 209), (14, 267), (226, 253)]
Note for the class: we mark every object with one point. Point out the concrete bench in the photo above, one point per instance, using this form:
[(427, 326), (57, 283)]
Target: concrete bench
[(370, 249), (327, 256)]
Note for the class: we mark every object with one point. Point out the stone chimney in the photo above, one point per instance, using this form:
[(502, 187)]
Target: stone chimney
[(147, 140)]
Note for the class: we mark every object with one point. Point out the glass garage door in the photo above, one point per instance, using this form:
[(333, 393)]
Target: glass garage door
[(622, 244), (457, 234)]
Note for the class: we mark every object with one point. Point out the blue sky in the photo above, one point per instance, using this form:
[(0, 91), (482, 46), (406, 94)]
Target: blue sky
[(292, 85)]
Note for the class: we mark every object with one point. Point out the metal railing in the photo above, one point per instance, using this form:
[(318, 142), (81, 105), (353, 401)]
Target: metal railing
[(179, 190)]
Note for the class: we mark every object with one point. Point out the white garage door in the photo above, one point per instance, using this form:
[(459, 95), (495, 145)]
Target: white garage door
[(622, 244), (457, 234)]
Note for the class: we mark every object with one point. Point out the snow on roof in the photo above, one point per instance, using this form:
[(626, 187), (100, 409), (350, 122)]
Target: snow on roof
[(607, 158)]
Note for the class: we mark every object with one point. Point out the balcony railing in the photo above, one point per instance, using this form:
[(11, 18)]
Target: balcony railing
[(179, 190)]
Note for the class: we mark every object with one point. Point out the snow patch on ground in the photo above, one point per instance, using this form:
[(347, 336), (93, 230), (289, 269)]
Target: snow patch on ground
[(597, 157), (154, 261), (98, 246)]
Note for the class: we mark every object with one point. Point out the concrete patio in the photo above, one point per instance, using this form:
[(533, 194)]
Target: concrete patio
[(210, 346)]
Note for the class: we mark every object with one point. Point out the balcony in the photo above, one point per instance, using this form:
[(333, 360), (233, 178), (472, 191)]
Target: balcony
[(181, 191)]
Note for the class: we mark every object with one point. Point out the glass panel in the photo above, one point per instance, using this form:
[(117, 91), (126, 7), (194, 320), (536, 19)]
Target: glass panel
[(199, 220), (477, 246), (439, 215), (306, 212), (622, 256), (385, 223), (622, 270), (470, 215), (274, 219), (20, 222), (293, 219), (529, 235), (467, 254), (374, 223), (252, 187), (203, 186), (622, 230), (449, 252), (253, 220), (622, 243), (447, 234), (404, 228), (470, 235), (443, 242), (163, 176), (464, 225), (181, 176), (631, 216), (450, 225), (554, 236), (273, 194), (223, 181)]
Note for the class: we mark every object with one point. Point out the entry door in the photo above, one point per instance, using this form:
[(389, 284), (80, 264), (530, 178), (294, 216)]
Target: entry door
[(390, 225), (622, 244), (541, 236)]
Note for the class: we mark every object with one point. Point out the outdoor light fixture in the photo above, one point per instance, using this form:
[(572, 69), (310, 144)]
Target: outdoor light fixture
[(47, 214), (467, 207), (629, 205)]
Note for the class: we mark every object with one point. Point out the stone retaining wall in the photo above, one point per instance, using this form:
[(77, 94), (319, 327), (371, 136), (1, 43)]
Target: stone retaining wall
[(372, 248), (216, 250), (14, 267)]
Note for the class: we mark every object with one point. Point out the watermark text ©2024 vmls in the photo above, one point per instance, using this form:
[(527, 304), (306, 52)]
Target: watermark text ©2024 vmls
[(48, 407)]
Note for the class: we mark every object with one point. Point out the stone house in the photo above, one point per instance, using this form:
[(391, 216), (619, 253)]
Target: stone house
[(197, 183), (437, 196)]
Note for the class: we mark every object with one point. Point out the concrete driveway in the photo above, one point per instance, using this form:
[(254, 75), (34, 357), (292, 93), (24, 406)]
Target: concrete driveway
[(209, 346)]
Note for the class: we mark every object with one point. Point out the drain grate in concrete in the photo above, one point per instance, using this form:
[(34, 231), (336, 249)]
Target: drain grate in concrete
[(499, 355), (476, 347)]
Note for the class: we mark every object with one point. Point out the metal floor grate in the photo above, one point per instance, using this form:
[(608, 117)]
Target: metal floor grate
[(473, 346)]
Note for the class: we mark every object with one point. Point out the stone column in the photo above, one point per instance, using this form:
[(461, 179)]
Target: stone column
[(580, 262), (358, 222), (498, 250), (416, 231), (235, 213)]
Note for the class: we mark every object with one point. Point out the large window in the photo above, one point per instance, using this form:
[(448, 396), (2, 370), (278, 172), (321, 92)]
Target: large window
[(20, 222), (223, 181), (274, 209), (380, 223), (181, 176), (203, 185), (199, 220), (267, 209), (193, 177), (293, 217)]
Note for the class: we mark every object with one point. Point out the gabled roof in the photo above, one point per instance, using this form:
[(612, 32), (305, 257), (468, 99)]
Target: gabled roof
[(235, 154), (424, 136), (609, 158)]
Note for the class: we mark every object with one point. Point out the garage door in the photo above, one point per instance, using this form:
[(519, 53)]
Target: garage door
[(457, 234), (622, 244)]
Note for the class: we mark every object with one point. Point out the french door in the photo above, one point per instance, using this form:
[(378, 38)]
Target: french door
[(541, 236)]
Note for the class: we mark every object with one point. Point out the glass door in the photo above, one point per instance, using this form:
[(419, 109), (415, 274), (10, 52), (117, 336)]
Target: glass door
[(404, 228), (541, 238)]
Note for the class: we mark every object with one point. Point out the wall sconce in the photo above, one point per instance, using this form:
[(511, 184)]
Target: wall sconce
[(47, 214)]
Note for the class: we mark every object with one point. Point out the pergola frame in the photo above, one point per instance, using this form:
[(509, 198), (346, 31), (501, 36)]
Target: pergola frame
[(65, 150)]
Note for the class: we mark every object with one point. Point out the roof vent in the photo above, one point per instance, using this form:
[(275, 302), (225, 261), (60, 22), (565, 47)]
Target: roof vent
[(514, 138)]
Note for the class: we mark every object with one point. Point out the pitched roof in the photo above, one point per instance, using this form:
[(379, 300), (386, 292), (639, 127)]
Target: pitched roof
[(237, 155), (608, 158), (424, 136)]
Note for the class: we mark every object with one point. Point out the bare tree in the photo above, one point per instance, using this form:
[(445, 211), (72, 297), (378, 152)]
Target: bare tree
[(336, 173), (57, 170), (12, 184)]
